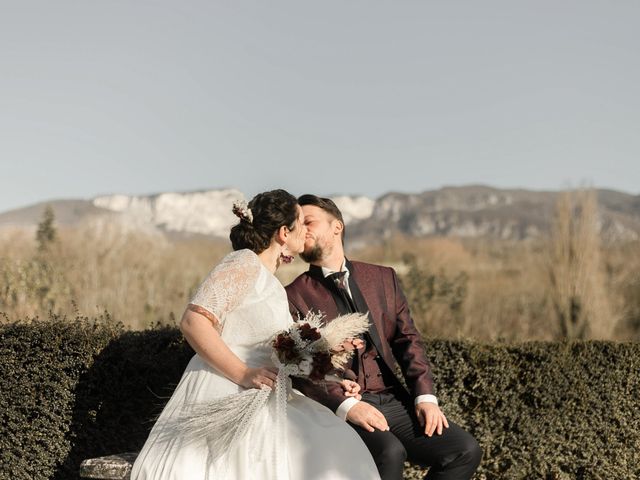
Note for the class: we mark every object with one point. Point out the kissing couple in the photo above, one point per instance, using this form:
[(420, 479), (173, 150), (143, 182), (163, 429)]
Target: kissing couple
[(362, 425)]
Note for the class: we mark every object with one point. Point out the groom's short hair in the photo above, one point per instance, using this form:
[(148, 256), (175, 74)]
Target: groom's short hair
[(325, 204)]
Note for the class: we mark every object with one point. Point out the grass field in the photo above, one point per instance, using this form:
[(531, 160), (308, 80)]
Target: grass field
[(475, 289)]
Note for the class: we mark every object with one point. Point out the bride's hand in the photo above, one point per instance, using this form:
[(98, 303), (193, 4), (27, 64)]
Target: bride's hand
[(351, 389), (257, 377)]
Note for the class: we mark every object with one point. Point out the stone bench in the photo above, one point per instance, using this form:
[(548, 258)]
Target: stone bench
[(113, 467), (118, 467)]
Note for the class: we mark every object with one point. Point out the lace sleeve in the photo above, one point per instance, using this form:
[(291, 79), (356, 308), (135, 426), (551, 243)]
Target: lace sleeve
[(226, 286)]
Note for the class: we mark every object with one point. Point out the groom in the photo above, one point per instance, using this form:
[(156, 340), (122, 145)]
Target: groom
[(395, 423)]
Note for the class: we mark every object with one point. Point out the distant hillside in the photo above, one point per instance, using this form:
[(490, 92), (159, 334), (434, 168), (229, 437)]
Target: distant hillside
[(68, 212), (479, 211), (469, 211)]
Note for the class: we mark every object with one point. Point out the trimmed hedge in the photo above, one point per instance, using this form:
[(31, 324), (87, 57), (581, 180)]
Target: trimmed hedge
[(77, 389), (543, 410)]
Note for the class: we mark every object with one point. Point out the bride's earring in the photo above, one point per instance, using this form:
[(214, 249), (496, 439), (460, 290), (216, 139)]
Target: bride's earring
[(284, 255)]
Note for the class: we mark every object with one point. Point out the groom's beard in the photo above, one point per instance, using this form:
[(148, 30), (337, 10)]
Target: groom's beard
[(314, 254)]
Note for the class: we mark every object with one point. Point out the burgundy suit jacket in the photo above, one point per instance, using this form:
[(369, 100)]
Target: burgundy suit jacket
[(395, 335)]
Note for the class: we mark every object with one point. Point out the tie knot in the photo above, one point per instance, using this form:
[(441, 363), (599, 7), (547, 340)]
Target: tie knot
[(339, 279)]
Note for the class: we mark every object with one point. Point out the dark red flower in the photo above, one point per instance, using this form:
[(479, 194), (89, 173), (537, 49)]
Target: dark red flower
[(285, 346), (307, 332), (321, 366)]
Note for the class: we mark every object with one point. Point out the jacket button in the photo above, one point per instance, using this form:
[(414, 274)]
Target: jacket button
[(367, 375), (379, 374), (364, 356)]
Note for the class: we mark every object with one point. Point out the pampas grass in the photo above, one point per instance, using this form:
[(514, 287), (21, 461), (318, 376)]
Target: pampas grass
[(221, 423), (343, 328)]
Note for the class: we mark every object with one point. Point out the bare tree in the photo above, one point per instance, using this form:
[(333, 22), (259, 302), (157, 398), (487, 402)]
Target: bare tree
[(577, 281)]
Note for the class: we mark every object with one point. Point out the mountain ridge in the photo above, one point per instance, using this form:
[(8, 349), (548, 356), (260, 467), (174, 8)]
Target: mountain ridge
[(461, 211)]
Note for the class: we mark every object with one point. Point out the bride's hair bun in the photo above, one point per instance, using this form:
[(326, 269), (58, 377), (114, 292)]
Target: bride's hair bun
[(261, 219)]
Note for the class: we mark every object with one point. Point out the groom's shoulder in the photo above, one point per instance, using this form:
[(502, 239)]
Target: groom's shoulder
[(371, 268), (301, 282)]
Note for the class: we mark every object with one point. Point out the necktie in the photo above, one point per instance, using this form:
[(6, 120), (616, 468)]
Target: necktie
[(340, 281)]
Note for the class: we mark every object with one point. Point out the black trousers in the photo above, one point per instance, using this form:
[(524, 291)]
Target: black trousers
[(454, 455)]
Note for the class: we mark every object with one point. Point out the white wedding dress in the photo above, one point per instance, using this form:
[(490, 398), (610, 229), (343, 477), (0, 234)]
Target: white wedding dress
[(305, 440)]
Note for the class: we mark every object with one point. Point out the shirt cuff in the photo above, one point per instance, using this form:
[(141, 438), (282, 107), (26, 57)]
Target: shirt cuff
[(423, 398), (345, 406)]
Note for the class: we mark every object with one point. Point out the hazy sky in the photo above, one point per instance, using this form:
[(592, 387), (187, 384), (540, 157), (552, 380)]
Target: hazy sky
[(330, 97)]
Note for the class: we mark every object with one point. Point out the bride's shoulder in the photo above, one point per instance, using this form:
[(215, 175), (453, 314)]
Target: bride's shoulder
[(244, 258), (228, 283), (243, 255)]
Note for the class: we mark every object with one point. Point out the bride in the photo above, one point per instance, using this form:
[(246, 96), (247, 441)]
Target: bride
[(230, 322)]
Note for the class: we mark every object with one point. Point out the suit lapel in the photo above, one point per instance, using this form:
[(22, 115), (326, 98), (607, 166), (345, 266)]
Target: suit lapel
[(362, 305), (365, 288)]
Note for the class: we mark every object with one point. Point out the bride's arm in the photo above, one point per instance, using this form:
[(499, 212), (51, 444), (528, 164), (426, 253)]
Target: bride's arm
[(206, 341)]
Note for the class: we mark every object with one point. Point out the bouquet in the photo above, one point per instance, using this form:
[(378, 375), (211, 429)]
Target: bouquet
[(310, 348)]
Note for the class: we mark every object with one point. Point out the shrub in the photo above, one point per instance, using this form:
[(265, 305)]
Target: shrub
[(78, 389), (548, 410), (435, 298)]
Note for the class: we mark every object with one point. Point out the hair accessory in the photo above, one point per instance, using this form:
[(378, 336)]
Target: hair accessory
[(242, 211)]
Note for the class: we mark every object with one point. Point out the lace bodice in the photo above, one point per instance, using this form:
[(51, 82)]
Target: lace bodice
[(247, 300)]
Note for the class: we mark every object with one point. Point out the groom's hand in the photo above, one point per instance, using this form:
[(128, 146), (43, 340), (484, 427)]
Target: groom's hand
[(431, 418), (367, 417)]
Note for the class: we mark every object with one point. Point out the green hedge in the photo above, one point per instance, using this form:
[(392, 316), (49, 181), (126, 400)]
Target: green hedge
[(544, 410), (77, 389)]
